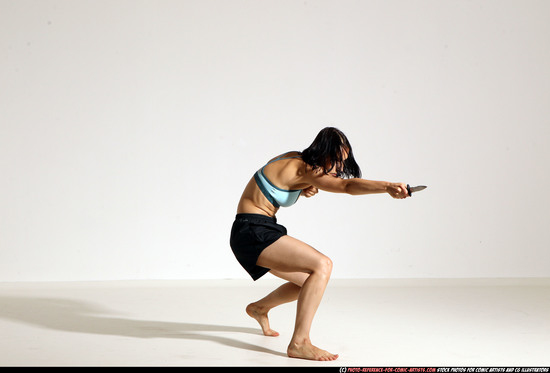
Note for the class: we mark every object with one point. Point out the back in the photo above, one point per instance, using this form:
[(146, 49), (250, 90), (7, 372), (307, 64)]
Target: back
[(274, 185), (278, 197)]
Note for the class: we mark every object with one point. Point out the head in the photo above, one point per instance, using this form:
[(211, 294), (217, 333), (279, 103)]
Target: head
[(331, 152)]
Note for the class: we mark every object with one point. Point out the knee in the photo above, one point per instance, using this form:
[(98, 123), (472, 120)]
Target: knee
[(324, 266)]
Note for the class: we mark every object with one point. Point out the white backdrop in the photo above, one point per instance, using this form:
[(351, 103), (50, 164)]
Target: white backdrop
[(129, 128)]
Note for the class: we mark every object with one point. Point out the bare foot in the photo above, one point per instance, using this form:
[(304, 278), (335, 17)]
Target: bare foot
[(256, 312), (308, 351)]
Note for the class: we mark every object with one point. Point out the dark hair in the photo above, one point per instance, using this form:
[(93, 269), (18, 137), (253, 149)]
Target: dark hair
[(327, 151)]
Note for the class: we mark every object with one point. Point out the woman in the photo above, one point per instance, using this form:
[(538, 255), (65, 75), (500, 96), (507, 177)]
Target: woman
[(261, 245)]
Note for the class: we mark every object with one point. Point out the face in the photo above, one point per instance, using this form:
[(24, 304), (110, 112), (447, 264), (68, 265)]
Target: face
[(339, 166)]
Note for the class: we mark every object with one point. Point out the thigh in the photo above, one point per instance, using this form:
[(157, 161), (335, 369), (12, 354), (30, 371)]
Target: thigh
[(288, 254)]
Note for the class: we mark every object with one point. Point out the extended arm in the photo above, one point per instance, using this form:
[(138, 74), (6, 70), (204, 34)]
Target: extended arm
[(357, 186), (362, 186)]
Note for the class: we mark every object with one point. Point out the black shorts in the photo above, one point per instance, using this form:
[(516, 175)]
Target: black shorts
[(250, 235)]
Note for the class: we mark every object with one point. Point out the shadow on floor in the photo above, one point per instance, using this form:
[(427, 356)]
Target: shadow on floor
[(81, 317)]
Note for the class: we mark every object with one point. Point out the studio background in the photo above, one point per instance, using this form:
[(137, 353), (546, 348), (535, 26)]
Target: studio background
[(128, 130)]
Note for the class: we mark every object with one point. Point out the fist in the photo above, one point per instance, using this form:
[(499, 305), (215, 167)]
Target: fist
[(310, 191), (398, 190)]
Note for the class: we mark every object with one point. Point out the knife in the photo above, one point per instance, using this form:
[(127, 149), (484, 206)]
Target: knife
[(414, 189)]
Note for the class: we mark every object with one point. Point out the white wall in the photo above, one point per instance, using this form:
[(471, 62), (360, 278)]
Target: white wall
[(129, 128)]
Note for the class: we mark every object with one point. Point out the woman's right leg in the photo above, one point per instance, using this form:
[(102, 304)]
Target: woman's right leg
[(285, 293), (289, 255)]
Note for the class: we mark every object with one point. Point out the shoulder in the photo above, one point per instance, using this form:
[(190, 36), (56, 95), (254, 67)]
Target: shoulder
[(326, 182)]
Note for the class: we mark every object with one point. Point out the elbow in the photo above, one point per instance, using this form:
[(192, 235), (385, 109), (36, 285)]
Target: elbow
[(348, 188)]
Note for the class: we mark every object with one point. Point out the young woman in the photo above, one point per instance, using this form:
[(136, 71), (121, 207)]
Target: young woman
[(261, 245)]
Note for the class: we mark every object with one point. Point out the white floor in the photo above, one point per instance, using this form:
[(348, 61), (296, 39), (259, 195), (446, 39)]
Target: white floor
[(382, 323)]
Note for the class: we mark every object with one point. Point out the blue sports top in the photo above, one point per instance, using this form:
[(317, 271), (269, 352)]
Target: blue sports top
[(277, 196)]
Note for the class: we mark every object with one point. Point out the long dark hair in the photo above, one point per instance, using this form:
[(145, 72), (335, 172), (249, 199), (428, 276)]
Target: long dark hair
[(327, 151)]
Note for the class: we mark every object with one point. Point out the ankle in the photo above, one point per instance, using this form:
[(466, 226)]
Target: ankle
[(299, 341), (257, 308)]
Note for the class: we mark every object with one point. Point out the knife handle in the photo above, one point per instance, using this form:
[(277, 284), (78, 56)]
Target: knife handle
[(409, 190)]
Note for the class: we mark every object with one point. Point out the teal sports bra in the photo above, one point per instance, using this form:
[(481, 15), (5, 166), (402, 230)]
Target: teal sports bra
[(277, 196)]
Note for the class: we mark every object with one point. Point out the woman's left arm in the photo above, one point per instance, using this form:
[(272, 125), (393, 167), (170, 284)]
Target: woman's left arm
[(310, 191)]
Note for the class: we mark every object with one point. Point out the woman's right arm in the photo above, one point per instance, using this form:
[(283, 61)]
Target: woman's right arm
[(357, 186)]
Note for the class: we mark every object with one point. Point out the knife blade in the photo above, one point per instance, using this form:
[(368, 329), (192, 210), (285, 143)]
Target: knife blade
[(414, 189)]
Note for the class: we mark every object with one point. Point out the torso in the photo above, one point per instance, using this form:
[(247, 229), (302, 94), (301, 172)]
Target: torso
[(285, 174)]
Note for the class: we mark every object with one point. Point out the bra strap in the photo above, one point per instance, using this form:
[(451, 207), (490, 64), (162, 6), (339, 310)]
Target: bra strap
[(280, 158)]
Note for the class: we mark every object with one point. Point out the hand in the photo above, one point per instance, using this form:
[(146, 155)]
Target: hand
[(310, 191), (398, 190)]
